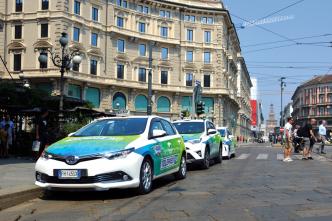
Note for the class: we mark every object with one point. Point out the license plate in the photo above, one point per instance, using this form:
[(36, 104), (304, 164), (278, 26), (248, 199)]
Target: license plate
[(69, 174)]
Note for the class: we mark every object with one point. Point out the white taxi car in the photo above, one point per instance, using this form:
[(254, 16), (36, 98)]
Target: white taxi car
[(202, 141), (229, 143), (110, 153)]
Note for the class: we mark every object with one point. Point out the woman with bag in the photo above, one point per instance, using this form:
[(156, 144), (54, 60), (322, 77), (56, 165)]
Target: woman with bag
[(42, 131)]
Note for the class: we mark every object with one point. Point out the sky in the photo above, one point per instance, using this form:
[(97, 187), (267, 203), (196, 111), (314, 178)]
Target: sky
[(301, 48)]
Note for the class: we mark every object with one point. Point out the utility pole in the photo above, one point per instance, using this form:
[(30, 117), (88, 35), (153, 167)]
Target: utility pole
[(149, 106), (282, 86)]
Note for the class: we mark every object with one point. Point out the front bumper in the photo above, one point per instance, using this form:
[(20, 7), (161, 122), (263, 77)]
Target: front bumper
[(100, 174), (195, 152), (225, 150)]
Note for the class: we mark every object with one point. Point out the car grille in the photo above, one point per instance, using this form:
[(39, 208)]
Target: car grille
[(106, 177), (190, 157)]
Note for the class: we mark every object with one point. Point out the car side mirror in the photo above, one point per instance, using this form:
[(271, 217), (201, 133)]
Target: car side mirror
[(211, 131), (158, 133)]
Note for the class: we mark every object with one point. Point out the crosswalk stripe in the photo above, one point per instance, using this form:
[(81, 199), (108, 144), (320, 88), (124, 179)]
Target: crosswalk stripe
[(280, 156), (262, 156), (243, 156)]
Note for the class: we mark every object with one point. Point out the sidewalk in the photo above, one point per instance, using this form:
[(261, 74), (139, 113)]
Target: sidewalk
[(17, 181)]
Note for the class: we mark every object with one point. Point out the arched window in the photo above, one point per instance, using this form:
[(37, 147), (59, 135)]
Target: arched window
[(186, 103), (163, 104), (119, 101), (93, 95), (209, 104), (141, 102)]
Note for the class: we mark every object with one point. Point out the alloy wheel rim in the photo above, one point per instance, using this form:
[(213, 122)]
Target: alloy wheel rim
[(183, 166), (146, 175)]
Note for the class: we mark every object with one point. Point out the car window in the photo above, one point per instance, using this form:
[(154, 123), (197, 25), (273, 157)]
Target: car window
[(207, 125), (168, 127), (114, 127), (211, 126), (222, 132), (189, 127), (156, 125)]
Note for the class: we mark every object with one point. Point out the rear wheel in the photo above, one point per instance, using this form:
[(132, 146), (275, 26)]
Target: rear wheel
[(206, 160), (219, 157), (146, 174), (182, 173)]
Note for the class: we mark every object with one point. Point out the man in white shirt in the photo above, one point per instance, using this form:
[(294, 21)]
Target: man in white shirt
[(322, 135), (287, 136)]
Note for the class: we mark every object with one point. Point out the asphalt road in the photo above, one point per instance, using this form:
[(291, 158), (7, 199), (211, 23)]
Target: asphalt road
[(256, 185)]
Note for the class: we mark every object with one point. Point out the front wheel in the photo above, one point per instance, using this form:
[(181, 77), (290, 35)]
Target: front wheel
[(206, 160), (145, 181), (182, 173)]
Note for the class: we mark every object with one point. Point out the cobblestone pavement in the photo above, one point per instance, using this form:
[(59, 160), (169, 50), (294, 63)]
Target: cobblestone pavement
[(255, 185)]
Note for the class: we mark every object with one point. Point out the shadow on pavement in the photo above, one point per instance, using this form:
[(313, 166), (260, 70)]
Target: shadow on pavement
[(104, 195)]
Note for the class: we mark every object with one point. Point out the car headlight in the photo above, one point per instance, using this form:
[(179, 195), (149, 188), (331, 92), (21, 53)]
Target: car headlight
[(195, 141), (119, 154), (46, 155)]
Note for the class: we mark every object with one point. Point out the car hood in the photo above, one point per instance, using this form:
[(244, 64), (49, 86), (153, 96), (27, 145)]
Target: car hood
[(83, 146), (188, 137)]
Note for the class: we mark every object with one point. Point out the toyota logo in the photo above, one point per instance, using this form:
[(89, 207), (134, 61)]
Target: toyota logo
[(71, 160)]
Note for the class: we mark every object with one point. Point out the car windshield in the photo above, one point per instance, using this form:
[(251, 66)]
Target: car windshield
[(113, 127), (189, 127), (222, 132)]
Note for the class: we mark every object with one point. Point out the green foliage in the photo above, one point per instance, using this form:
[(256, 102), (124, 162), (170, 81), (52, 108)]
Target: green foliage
[(185, 113), (71, 127)]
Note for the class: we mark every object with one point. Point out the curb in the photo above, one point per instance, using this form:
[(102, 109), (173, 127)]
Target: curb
[(14, 199)]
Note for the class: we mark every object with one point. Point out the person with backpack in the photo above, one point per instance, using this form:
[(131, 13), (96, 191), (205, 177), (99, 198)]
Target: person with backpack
[(308, 139)]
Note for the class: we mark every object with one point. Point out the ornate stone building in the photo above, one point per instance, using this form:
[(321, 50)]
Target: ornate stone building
[(313, 99), (191, 40)]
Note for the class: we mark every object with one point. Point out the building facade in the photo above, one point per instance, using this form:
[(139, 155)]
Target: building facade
[(190, 40), (313, 99)]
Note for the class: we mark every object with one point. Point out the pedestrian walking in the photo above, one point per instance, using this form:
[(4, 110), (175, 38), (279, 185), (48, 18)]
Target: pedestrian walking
[(3, 141), (287, 140), (297, 140), (308, 139), (322, 136), (9, 129), (42, 131)]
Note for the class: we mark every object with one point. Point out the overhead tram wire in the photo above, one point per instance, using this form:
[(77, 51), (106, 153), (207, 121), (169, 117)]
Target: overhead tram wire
[(289, 62), (288, 45), (274, 42), (282, 9), (265, 29)]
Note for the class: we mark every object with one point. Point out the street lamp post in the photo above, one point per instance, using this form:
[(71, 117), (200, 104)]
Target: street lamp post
[(64, 62), (149, 106), (282, 86)]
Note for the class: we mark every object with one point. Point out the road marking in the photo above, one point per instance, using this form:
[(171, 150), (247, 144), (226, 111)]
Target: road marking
[(280, 156), (262, 156), (243, 156)]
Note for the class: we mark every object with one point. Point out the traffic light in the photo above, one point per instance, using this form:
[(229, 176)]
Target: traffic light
[(200, 108)]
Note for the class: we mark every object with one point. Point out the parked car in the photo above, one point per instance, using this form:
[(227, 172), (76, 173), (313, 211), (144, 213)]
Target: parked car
[(228, 141), (110, 153), (202, 141)]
